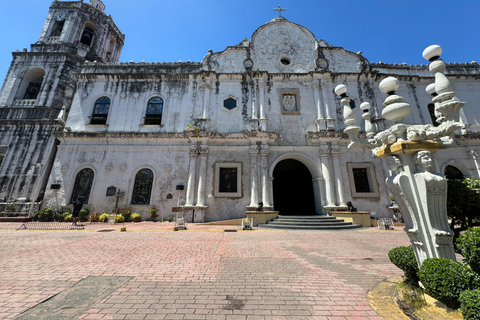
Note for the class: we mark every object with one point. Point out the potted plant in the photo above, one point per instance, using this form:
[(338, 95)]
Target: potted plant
[(94, 217), (103, 217), (153, 213), (135, 217)]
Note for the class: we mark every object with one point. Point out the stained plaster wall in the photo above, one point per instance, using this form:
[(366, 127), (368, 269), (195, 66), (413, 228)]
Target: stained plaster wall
[(183, 86), (25, 167)]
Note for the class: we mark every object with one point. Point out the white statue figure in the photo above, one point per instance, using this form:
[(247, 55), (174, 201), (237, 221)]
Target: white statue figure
[(433, 196), (399, 185), (289, 102)]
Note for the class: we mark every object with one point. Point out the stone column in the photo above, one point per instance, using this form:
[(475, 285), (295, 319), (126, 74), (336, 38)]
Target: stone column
[(326, 170), (264, 173), (202, 176), (206, 99), (253, 96), (338, 177), (270, 189), (192, 172), (261, 101), (329, 108), (321, 192), (318, 104), (253, 176)]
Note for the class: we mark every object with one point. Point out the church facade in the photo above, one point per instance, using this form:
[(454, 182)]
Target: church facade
[(256, 123)]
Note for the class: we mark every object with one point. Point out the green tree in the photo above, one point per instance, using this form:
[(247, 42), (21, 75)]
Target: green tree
[(463, 204)]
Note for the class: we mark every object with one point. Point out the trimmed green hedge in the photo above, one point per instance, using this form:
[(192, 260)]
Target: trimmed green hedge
[(470, 301), (469, 246), (445, 280), (404, 258)]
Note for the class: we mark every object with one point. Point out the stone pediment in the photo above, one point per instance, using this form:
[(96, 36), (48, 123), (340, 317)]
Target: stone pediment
[(281, 46)]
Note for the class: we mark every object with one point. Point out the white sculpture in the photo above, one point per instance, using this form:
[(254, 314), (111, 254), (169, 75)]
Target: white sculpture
[(419, 191)]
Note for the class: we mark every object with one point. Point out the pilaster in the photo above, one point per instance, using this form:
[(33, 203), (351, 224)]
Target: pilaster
[(192, 172), (320, 121), (265, 180), (326, 171), (338, 176)]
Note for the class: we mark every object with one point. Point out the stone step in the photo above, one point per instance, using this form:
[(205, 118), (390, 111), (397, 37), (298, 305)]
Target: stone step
[(308, 220), (300, 227), (286, 223)]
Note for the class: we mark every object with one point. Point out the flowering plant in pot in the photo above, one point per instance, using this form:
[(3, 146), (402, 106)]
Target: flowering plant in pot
[(135, 217)]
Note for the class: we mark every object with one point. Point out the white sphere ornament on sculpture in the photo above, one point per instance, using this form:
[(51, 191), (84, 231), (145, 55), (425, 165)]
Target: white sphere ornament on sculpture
[(432, 52)]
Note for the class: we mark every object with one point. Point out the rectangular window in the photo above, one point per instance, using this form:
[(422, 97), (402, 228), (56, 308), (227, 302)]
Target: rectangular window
[(363, 183), (228, 180), (360, 176)]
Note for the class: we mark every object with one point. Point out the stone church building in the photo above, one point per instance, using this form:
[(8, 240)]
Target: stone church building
[(257, 122)]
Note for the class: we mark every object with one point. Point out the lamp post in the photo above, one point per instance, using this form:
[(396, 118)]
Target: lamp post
[(419, 191)]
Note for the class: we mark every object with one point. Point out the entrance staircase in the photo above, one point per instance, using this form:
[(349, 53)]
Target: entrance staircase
[(310, 222)]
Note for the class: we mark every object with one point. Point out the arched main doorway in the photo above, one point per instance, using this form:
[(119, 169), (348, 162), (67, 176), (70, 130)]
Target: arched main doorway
[(293, 188)]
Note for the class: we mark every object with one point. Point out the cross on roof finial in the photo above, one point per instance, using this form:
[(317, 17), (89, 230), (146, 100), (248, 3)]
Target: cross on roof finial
[(279, 9)]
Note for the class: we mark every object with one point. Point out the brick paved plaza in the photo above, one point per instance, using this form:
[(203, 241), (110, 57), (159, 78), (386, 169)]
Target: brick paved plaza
[(151, 272)]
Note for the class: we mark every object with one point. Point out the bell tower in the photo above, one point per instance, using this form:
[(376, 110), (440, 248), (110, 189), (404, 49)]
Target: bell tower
[(38, 91)]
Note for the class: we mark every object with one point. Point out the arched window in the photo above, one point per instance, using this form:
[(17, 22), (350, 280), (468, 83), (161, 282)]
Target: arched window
[(154, 111), (143, 187), (88, 33), (100, 111), (31, 84), (453, 173), (83, 186)]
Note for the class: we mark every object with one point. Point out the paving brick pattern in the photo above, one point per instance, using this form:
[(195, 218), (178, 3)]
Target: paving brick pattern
[(201, 273)]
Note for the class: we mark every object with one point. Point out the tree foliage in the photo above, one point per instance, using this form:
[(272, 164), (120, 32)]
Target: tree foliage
[(463, 203)]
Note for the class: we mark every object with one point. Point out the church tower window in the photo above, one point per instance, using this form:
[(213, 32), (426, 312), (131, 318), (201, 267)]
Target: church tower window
[(100, 111), (57, 28), (154, 111), (31, 84), (143, 187), (83, 186), (88, 33)]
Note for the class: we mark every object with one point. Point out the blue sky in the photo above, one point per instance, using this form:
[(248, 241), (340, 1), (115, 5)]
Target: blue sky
[(158, 30)]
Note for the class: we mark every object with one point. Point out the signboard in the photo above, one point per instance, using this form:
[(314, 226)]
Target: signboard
[(177, 209), (55, 186), (111, 191)]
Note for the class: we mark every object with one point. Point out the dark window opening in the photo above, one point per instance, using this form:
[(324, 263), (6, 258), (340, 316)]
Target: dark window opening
[(154, 111), (83, 186), (230, 103), (360, 176), (87, 36), (285, 61), (228, 180), (143, 187), (100, 111), (32, 90), (453, 173), (431, 110), (57, 28)]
